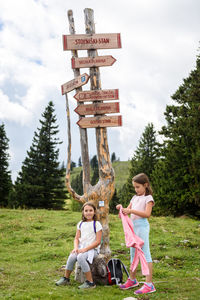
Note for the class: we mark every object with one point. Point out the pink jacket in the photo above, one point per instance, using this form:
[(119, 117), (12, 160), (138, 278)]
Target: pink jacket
[(132, 240)]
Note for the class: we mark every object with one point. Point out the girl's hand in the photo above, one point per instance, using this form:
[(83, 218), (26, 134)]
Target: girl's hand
[(81, 250), (75, 250), (118, 206), (126, 211)]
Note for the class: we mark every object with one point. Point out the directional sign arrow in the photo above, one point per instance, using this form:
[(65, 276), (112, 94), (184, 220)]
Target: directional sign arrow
[(97, 95), (74, 83), (103, 121), (89, 62), (97, 108), (95, 41)]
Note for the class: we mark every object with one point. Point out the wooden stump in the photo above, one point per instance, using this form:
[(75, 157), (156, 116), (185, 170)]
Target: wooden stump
[(98, 269)]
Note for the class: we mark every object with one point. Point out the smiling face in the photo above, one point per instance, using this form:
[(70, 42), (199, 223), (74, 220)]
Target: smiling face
[(140, 189), (88, 212)]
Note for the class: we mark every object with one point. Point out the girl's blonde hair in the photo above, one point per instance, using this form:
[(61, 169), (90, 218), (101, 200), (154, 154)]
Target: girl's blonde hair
[(95, 211), (142, 178)]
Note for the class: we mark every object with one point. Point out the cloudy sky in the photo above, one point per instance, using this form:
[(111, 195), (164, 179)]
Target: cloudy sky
[(160, 41)]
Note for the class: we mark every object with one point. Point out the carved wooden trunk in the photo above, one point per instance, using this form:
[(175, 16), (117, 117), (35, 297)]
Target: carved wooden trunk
[(98, 269)]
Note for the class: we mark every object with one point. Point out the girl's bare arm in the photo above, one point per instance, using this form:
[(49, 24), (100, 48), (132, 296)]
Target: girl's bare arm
[(143, 214), (76, 241)]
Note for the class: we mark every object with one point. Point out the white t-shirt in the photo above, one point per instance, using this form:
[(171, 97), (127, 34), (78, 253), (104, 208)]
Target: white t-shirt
[(139, 203), (88, 235)]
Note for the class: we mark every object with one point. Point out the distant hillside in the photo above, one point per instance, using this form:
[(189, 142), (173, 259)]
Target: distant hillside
[(121, 172), (121, 169)]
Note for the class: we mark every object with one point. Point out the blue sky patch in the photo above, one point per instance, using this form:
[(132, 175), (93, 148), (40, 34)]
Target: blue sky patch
[(14, 91)]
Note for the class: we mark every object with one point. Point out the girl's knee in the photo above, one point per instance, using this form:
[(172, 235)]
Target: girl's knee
[(80, 257)]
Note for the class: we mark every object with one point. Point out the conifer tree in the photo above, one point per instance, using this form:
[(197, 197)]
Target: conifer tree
[(177, 176), (114, 201), (95, 176), (79, 162), (143, 161), (5, 177), (113, 157), (95, 169), (40, 182), (77, 183), (73, 165), (94, 162)]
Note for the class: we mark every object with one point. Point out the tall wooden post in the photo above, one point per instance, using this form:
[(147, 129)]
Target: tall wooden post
[(83, 131), (105, 167), (102, 192)]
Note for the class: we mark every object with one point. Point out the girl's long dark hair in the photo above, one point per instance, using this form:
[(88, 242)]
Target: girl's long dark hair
[(95, 211), (142, 178)]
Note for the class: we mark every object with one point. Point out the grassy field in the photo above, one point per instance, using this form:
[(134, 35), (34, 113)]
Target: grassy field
[(34, 245)]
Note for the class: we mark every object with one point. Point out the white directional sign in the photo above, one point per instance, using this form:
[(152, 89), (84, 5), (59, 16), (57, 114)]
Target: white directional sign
[(95, 41), (93, 95), (89, 62), (97, 108), (103, 121)]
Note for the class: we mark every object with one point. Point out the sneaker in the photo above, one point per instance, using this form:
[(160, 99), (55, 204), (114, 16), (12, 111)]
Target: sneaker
[(87, 285), (63, 281), (129, 284), (145, 289)]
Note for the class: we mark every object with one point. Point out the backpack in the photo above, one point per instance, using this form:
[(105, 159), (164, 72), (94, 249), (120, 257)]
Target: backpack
[(115, 271)]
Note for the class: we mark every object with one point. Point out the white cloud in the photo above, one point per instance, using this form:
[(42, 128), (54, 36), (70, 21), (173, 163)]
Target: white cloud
[(159, 46), (10, 111)]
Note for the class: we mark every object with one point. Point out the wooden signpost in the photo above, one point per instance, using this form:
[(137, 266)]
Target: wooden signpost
[(97, 95), (94, 41), (74, 83), (97, 108), (102, 192), (103, 121), (89, 62)]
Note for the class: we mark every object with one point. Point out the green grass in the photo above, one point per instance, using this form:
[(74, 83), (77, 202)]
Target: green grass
[(34, 244)]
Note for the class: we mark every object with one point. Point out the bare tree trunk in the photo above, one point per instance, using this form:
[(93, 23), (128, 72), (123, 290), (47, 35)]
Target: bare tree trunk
[(106, 172), (83, 131)]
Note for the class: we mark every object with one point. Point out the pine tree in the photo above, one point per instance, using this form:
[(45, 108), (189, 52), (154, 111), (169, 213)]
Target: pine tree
[(94, 162), (40, 182), (77, 183), (113, 157), (5, 177), (143, 161), (73, 165), (177, 176), (79, 162), (112, 204), (95, 169), (95, 176)]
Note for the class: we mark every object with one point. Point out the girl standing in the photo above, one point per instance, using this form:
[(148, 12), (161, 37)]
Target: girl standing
[(86, 246), (140, 209)]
